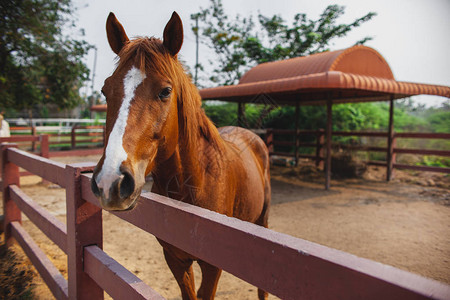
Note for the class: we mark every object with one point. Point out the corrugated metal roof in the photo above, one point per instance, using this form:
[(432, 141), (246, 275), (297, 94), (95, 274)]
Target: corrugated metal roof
[(359, 60), (355, 74), (339, 86)]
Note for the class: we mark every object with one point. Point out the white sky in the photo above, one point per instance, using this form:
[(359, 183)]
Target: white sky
[(412, 35)]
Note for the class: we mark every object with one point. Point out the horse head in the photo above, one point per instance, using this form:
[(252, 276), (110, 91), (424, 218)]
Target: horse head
[(141, 119)]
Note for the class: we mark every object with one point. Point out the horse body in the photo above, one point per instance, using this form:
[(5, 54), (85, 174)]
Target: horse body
[(251, 173), (231, 181), (155, 125)]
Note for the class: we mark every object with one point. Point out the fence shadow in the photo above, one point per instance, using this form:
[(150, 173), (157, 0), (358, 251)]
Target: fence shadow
[(285, 192)]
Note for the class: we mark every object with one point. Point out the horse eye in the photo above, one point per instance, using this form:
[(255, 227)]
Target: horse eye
[(165, 93)]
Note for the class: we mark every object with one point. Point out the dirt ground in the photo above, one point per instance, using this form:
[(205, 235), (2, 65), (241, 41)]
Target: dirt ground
[(404, 223)]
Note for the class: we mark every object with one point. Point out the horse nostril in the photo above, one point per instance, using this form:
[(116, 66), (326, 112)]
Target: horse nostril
[(94, 187), (126, 185)]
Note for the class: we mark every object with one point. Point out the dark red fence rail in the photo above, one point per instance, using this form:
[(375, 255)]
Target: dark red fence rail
[(42, 139), (287, 267), (319, 135)]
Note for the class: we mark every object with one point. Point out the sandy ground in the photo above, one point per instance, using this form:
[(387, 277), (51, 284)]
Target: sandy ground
[(404, 223)]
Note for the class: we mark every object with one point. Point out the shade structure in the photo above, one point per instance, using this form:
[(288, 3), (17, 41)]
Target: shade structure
[(356, 74)]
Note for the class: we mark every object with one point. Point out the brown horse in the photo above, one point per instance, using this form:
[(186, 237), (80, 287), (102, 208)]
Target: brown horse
[(155, 124)]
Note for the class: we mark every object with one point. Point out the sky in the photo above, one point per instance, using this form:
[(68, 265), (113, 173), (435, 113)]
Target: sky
[(412, 35)]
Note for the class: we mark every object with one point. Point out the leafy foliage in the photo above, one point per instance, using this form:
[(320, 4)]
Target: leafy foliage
[(346, 117), (433, 161), (222, 114), (38, 64), (240, 43), (374, 116), (438, 118)]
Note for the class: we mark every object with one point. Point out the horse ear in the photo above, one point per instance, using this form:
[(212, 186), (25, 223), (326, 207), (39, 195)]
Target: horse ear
[(173, 34), (117, 37)]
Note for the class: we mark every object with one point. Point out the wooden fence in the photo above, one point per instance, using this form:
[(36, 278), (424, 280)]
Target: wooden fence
[(287, 267), (391, 150), (44, 146), (72, 137)]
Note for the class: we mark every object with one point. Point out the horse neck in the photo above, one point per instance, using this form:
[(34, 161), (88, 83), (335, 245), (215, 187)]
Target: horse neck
[(183, 175), (199, 147), (200, 152)]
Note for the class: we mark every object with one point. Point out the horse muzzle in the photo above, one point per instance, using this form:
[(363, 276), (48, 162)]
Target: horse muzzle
[(117, 193)]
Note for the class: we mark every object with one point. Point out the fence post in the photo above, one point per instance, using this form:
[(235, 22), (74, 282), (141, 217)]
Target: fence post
[(297, 112), (394, 145), (328, 133), (269, 140), (319, 148), (43, 139), (10, 176), (390, 141), (84, 228), (72, 136), (104, 135), (297, 142), (241, 119), (33, 133)]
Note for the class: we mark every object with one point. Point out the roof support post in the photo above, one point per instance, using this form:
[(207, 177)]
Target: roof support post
[(319, 148), (297, 109), (241, 114), (328, 135), (390, 156)]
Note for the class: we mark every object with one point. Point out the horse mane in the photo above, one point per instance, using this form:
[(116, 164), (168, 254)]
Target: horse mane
[(150, 55)]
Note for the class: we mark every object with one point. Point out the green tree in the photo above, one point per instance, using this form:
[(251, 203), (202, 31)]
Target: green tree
[(240, 43), (225, 38), (38, 63), (222, 114), (438, 117)]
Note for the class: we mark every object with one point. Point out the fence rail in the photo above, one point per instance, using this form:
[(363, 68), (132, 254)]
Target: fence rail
[(54, 229), (318, 157), (49, 273), (114, 278), (285, 266)]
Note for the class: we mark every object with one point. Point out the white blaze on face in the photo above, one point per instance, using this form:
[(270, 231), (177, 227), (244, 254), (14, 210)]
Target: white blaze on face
[(115, 153)]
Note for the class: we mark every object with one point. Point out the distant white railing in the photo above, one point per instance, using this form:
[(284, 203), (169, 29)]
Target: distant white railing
[(66, 122)]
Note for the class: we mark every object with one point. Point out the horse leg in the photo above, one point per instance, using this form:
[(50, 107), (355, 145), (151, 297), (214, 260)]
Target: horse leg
[(210, 278), (182, 271)]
